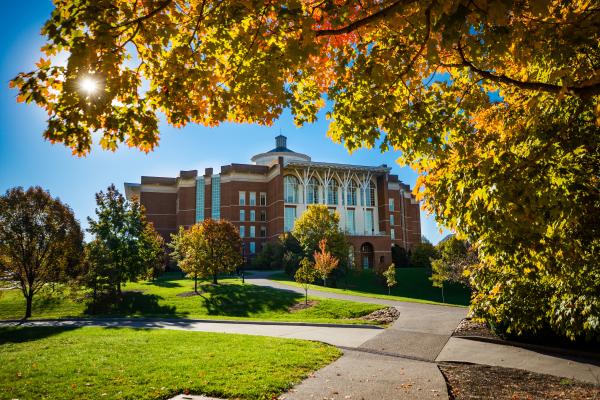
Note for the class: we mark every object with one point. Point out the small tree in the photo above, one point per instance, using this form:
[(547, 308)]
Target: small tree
[(390, 277), (455, 257), (325, 262), (153, 252), (305, 275), (208, 248), (189, 250), (40, 240)]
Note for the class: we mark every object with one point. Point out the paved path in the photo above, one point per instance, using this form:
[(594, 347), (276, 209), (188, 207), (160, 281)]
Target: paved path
[(337, 335), (476, 352)]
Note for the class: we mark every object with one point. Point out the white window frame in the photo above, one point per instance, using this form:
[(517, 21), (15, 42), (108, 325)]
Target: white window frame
[(252, 200), (242, 231), (252, 231), (263, 199), (242, 198), (252, 215), (242, 215)]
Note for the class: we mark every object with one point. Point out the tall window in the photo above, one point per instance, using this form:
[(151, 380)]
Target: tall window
[(263, 215), (391, 204), (216, 197), (290, 184), (252, 247), (242, 198), (351, 194), (392, 234), (332, 192), (289, 218), (200, 199), (392, 219), (371, 195), (369, 221), (263, 199), (242, 215), (252, 231), (263, 231), (252, 198), (350, 223), (242, 231), (312, 191), (252, 215)]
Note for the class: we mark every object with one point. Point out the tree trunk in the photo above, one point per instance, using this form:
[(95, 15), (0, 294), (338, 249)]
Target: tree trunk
[(215, 279), (29, 301), (196, 283), (305, 296), (324, 282), (389, 290), (443, 300), (119, 288)]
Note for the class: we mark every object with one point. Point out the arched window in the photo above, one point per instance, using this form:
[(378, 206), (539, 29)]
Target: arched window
[(332, 192), (351, 194), (312, 191), (290, 189)]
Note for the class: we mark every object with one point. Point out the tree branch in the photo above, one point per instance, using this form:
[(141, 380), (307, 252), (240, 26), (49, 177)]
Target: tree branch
[(152, 13), (383, 13), (580, 90)]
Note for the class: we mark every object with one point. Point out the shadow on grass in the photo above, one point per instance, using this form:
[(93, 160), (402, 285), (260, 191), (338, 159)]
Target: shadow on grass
[(132, 304), (167, 279), (24, 334), (244, 300)]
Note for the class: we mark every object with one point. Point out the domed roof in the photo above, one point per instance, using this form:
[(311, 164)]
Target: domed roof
[(280, 150)]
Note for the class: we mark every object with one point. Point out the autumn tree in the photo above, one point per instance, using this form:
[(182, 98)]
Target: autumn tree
[(41, 242), (495, 103), (325, 262), (208, 248), (318, 223), (124, 246), (305, 275), (390, 277)]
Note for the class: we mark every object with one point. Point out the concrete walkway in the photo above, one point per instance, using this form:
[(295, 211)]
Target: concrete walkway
[(337, 335)]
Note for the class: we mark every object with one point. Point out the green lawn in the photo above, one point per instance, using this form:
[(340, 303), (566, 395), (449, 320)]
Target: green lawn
[(101, 363), (413, 285), (162, 298)]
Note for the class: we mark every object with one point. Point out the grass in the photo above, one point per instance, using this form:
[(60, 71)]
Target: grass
[(161, 299), (121, 363), (413, 286)]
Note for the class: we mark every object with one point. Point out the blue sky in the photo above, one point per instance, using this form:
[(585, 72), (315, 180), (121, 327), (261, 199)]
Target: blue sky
[(26, 159)]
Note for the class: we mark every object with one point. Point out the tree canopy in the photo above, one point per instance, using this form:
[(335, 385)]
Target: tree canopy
[(413, 73), (41, 242)]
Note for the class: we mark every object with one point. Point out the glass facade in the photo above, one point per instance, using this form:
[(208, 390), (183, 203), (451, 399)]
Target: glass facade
[(332, 192), (200, 199), (350, 222), (351, 194), (369, 222), (216, 197), (290, 184), (312, 191)]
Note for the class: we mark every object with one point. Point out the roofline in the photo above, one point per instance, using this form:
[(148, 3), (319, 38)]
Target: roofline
[(279, 154), (381, 168)]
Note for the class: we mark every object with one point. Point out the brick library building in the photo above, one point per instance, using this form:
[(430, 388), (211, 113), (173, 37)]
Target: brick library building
[(263, 199)]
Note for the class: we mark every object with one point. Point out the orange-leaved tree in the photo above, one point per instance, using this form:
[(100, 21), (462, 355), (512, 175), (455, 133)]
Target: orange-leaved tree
[(325, 262)]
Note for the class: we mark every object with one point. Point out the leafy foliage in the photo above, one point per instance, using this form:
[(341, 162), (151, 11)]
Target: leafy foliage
[(270, 256), (455, 256), (400, 257), (325, 262), (422, 254), (125, 246), (40, 241), (305, 275), (316, 224), (390, 277), (208, 248)]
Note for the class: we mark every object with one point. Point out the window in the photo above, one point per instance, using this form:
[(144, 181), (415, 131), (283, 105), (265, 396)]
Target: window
[(252, 198), (242, 198), (242, 215), (312, 191), (200, 199), (263, 215), (391, 204), (252, 215), (392, 219), (216, 197), (290, 189), (332, 192), (392, 234), (252, 231), (350, 225), (351, 194), (242, 231), (369, 222), (263, 199), (371, 195), (289, 218), (263, 231), (252, 247)]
